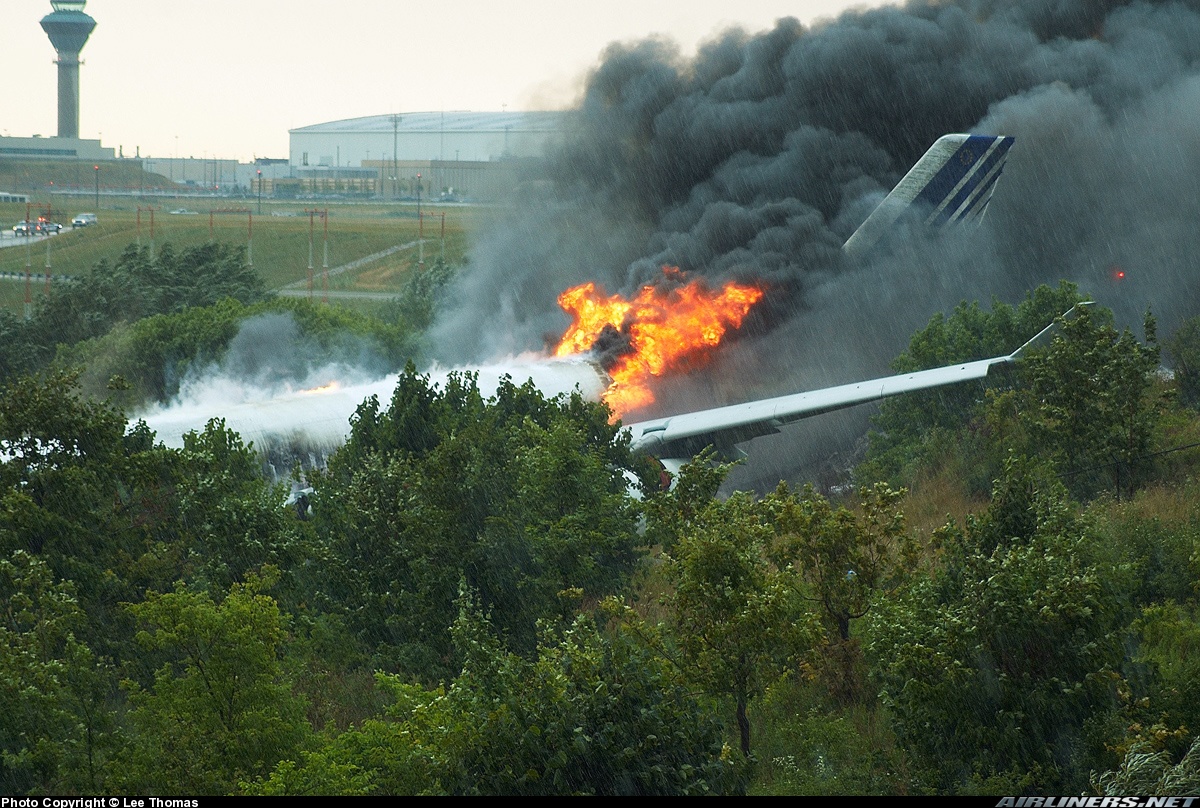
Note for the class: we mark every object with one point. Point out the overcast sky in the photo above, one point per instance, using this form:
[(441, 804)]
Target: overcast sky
[(228, 78)]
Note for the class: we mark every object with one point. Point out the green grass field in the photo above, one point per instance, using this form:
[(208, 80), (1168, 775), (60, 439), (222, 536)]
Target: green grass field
[(277, 242)]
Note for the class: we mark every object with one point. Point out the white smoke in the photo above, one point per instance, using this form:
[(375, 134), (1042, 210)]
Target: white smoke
[(317, 410)]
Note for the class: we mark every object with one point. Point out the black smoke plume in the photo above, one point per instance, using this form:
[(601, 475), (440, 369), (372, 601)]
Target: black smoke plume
[(758, 156)]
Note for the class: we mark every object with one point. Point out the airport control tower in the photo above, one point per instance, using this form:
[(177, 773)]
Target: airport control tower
[(68, 28)]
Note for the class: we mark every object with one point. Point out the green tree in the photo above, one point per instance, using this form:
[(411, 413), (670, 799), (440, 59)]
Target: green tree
[(18, 356), (133, 287), (842, 560), (155, 353), (1168, 634), (1088, 408), (735, 617), (221, 709), (843, 556), (522, 496), (116, 515), (994, 668), (1084, 401), (229, 518), (1184, 349), (71, 486), (674, 511), (322, 773), (593, 713), (52, 688), (418, 301)]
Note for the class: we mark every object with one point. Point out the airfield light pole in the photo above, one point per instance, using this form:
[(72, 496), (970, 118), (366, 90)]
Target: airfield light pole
[(395, 153), (259, 194), (47, 256), (325, 261), (311, 212), (420, 241), (96, 170), (29, 261), (49, 216), (28, 275), (420, 227), (151, 208)]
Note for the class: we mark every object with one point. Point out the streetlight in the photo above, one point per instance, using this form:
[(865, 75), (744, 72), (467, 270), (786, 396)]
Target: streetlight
[(96, 169), (418, 197), (260, 192)]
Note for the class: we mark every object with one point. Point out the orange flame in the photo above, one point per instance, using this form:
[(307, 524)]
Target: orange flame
[(332, 387), (666, 329)]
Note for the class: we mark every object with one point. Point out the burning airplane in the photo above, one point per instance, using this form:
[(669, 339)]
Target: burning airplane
[(616, 347)]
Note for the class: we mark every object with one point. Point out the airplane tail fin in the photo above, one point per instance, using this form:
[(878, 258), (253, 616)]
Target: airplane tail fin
[(950, 185)]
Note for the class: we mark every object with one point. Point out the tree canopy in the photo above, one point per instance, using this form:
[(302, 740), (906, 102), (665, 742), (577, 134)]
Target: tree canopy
[(521, 497)]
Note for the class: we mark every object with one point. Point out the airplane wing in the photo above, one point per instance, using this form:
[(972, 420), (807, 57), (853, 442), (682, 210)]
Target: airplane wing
[(950, 185), (676, 439)]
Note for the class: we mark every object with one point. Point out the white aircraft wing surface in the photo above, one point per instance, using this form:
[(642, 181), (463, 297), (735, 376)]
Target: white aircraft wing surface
[(677, 438)]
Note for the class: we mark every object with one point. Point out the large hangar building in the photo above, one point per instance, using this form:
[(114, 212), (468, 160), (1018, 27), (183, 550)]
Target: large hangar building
[(475, 155)]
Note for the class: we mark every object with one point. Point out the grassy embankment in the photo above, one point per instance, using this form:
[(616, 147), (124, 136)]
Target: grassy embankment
[(38, 177), (277, 241)]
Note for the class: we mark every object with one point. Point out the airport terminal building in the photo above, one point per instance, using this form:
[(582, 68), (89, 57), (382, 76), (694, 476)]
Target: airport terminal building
[(444, 136), (472, 155)]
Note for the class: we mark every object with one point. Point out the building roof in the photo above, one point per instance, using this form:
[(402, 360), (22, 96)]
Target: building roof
[(450, 121)]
